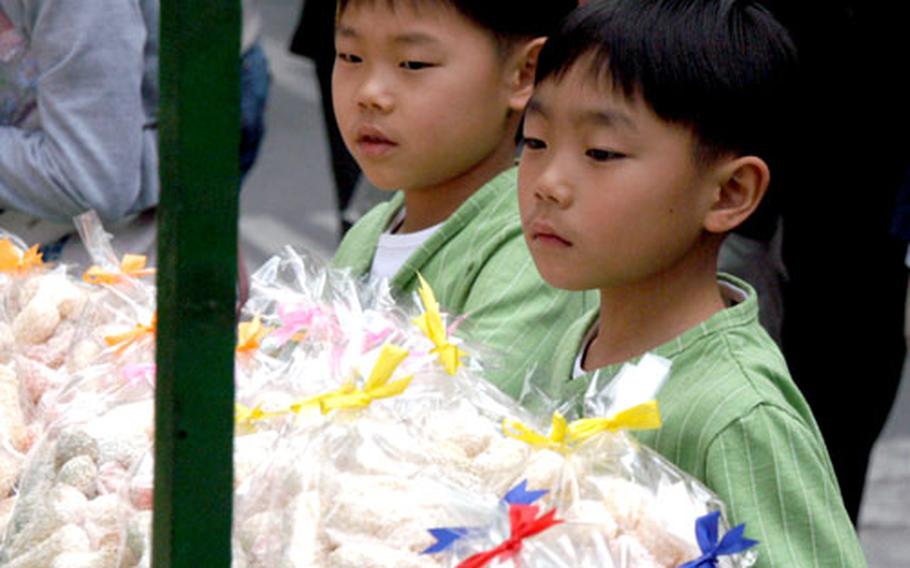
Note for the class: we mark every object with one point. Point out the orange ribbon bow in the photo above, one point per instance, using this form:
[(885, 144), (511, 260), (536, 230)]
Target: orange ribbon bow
[(13, 260), (132, 265), (250, 334), (123, 340)]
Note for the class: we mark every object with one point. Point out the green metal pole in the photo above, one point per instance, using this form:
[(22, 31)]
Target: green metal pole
[(197, 266)]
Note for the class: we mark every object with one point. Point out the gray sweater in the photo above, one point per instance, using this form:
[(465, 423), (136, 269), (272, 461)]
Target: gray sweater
[(86, 138)]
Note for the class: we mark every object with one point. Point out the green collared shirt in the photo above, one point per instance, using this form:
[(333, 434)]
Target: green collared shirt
[(479, 266), (734, 419)]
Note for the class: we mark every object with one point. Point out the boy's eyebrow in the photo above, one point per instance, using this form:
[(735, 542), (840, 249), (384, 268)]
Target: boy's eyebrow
[(606, 117), (534, 106), (599, 117), (415, 38), (346, 31)]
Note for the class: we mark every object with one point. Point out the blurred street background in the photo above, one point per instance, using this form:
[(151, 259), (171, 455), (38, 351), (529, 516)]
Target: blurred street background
[(288, 196), (288, 199)]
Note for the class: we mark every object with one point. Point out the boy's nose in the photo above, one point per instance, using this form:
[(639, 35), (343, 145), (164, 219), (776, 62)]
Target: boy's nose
[(553, 188), (373, 95)]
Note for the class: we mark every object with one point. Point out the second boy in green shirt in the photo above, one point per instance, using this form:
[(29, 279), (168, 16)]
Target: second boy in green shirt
[(429, 98)]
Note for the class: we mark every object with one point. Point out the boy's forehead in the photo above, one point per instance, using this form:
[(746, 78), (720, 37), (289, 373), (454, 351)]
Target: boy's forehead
[(387, 4), (403, 10), (584, 114), (590, 72), (432, 24), (586, 98), (408, 23), (404, 37)]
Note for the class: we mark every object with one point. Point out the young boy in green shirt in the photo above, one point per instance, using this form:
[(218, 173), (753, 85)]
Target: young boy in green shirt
[(429, 96), (647, 139)]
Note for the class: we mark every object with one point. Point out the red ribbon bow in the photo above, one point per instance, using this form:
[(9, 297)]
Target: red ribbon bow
[(524, 523)]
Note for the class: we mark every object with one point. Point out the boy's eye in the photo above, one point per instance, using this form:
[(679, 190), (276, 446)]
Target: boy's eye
[(599, 155), (414, 65), (349, 57), (534, 143)]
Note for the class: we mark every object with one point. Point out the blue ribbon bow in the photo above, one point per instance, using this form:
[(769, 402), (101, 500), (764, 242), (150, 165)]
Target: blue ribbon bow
[(706, 529), (446, 536), (519, 495)]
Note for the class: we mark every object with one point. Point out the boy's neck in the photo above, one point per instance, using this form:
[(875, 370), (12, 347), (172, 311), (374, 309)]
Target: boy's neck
[(428, 206), (641, 316)]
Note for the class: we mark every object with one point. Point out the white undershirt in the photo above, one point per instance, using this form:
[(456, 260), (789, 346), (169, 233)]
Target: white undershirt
[(731, 295), (393, 250)]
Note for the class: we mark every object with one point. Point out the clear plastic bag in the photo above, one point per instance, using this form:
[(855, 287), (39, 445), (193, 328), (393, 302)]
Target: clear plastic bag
[(41, 318), (361, 423), (126, 277), (56, 325), (618, 503), (73, 496), (350, 477), (392, 440), (24, 333), (93, 426)]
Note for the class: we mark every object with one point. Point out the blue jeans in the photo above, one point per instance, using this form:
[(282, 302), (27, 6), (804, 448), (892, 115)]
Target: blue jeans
[(254, 91)]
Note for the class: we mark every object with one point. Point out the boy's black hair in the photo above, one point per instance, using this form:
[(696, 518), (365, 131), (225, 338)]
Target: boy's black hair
[(507, 20), (726, 69)]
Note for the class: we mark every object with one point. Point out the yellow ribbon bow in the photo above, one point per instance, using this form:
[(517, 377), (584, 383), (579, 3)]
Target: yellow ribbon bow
[(132, 265), (13, 260), (317, 401), (645, 416), (250, 334), (378, 385), (123, 340), (562, 437), (555, 441), (246, 417), (430, 323)]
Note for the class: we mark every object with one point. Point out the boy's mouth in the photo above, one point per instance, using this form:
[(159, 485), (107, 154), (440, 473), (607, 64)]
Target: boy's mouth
[(545, 234), (372, 142)]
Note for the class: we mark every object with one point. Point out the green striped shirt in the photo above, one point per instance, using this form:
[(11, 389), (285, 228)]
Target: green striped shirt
[(733, 418), (479, 266)]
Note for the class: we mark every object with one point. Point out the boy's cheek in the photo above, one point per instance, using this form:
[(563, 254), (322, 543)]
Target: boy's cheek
[(524, 204), (526, 181), (341, 94)]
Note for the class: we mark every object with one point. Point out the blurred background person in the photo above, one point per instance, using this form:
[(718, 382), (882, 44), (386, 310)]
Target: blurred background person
[(821, 252), (78, 127), (254, 86), (255, 82)]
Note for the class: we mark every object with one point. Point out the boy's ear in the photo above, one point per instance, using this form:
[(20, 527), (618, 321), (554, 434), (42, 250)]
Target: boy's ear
[(522, 66), (740, 186)]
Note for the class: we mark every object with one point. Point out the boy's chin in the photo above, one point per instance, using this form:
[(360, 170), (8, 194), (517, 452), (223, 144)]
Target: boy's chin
[(384, 183), (384, 187), (561, 280), (382, 176)]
